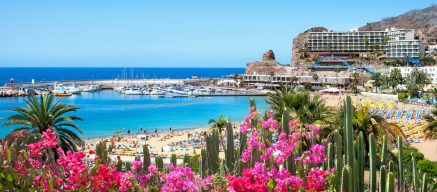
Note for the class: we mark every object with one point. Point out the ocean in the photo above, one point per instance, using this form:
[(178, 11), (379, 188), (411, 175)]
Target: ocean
[(107, 111), (26, 74)]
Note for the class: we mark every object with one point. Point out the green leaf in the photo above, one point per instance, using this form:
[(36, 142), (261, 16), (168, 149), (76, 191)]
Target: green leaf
[(271, 184)]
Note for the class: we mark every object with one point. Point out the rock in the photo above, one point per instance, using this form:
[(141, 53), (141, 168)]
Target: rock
[(298, 43), (269, 56)]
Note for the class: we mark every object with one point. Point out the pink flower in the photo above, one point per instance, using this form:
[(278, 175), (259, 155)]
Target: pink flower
[(313, 128), (36, 164), (270, 124), (35, 149), (179, 179), (316, 180), (152, 169), (136, 165), (49, 139)]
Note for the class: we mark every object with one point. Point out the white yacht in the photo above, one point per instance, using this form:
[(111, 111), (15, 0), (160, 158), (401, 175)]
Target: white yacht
[(133, 91), (89, 88), (157, 92), (73, 89)]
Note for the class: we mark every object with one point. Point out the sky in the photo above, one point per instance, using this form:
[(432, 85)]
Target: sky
[(164, 33)]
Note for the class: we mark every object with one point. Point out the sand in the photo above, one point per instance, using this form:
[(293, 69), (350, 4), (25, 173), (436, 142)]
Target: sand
[(180, 143)]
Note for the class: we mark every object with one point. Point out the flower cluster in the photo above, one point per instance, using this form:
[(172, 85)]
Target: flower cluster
[(266, 160)]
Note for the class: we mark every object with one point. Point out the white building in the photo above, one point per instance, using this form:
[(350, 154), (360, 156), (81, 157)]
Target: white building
[(397, 43), (431, 71)]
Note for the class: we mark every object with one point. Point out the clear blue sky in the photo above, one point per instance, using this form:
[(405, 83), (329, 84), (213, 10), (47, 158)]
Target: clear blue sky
[(175, 33)]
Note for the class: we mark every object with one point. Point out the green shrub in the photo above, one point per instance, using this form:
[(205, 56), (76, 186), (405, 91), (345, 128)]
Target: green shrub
[(402, 97)]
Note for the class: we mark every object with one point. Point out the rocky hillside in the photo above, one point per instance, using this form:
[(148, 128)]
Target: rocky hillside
[(298, 43), (423, 20)]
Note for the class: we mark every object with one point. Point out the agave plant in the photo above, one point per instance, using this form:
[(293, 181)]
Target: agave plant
[(42, 113)]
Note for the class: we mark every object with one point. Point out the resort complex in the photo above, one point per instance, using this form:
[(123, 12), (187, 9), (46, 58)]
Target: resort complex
[(396, 43)]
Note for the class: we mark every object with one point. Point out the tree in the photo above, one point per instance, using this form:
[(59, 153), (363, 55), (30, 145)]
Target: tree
[(42, 113), (315, 77), (218, 123), (396, 78), (355, 80), (294, 80), (430, 129), (428, 61), (302, 106), (377, 80), (416, 80)]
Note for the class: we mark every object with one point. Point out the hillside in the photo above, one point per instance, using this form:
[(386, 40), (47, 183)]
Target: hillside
[(423, 20)]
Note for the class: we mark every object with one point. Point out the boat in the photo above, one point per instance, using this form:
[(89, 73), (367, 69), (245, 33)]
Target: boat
[(65, 94), (133, 91), (119, 89), (89, 88), (157, 92), (73, 89)]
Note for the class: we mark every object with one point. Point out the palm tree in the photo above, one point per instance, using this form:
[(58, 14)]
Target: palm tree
[(370, 122), (219, 124), (431, 128), (42, 113), (305, 108)]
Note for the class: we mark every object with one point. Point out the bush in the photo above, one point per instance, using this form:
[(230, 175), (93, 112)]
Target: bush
[(402, 97)]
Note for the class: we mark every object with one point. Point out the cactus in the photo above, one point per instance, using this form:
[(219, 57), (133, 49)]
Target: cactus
[(252, 103), (102, 152), (230, 155), (349, 137), (203, 167), (401, 165), (186, 159), (146, 158), (414, 184), (284, 120), (390, 183), (173, 160), (372, 163), (382, 176), (356, 181), (390, 166), (200, 165), (127, 166), (330, 156), (384, 150), (346, 182), (119, 165), (338, 145), (212, 151), (424, 187), (243, 142), (159, 162), (360, 159)]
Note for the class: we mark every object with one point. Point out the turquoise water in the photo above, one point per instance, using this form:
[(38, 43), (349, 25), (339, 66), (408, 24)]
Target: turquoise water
[(106, 111)]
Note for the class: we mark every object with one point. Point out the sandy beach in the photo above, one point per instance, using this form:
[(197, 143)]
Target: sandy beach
[(182, 142)]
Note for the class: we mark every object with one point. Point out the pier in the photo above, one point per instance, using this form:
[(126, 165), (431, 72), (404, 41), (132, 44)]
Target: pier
[(107, 84)]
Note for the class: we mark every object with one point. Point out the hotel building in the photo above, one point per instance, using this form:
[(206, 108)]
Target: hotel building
[(396, 43), (431, 71)]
